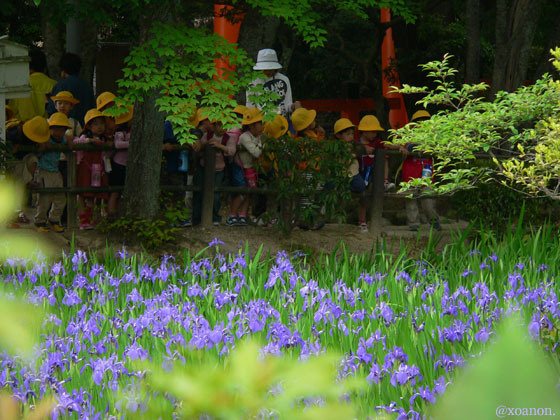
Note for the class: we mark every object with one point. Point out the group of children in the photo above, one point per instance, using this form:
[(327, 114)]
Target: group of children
[(240, 150), (94, 168)]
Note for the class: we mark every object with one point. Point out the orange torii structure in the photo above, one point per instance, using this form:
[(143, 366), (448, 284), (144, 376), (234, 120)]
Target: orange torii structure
[(227, 29), (398, 116), (349, 108)]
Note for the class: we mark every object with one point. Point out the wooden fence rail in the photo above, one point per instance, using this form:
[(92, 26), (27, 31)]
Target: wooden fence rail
[(375, 191)]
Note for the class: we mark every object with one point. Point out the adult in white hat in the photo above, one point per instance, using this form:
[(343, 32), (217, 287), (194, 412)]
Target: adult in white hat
[(267, 62)]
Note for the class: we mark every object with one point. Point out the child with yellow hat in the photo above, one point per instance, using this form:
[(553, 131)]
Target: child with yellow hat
[(64, 101), (370, 136), (49, 176), (105, 101), (118, 161), (344, 130), (91, 165), (303, 121), (419, 167), (244, 163)]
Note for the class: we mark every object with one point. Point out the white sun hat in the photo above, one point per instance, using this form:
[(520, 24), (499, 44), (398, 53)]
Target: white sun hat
[(267, 60)]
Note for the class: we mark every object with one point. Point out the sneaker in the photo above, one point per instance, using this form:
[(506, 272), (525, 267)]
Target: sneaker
[(86, 225), (364, 228), (231, 221), (217, 221), (184, 222), (241, 221), (22, 218), (317, 225), (42, 227), (389, 186), (56, 227)]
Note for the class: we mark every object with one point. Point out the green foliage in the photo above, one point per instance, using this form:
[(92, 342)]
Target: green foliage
[(513, 373), (247, 385), (13, 245), (305, 16), (510, 128), (491, 205), (327, 162), (178, 63), (151, 233)]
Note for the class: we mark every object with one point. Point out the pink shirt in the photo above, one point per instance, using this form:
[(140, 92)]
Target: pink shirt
[(122, 141), (220, 162)]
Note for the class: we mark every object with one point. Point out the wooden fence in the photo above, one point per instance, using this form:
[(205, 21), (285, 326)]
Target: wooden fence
[(375, 190)]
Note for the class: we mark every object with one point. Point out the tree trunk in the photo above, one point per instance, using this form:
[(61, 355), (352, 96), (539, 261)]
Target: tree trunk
[(500, 55), (524, 20), (52, 37), (515, 30), (473, 41), (141, 189), (544, 64), (88, 51)]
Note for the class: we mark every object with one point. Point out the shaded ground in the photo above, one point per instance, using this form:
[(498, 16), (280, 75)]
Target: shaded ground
[(234, 238)]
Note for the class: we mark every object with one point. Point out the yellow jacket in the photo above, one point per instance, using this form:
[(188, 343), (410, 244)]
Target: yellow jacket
[(27, 108)]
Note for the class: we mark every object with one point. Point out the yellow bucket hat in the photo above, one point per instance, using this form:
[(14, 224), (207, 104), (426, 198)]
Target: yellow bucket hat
[(420, 114), (251, 116), (37, 130), (126, 117), (240, 109), (197, 117), (370, 123), (91, 114), (66, 96), (302, 118), (59, 119), (104, 99), (342, 124), (277, 127)]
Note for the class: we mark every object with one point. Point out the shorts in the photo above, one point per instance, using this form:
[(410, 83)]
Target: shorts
[(357, 184), (237, 176), (117, 175)]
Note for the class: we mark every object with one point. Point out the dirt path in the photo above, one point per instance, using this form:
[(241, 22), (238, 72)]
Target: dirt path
[(234, 238)]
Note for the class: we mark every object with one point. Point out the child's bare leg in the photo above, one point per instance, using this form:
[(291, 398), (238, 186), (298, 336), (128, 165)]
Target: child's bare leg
[(244, 207), (362, 212), (113, 201), (235, 205), (81, 205)]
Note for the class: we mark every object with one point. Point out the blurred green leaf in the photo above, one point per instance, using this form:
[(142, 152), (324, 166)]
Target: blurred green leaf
[(513, 373)]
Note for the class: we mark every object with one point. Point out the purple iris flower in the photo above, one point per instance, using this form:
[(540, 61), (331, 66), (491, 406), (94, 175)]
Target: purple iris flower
[(386, 313), (71, 298)]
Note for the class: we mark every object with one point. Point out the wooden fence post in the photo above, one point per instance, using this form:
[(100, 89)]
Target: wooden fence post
[(378, 190), (71, 200), (208, 184)]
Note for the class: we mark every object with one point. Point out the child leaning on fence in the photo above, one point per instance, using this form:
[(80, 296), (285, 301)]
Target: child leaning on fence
[(48, 175), (305, 125), (91, 166), (219, 141), (117, 175), (344, 130), (418, 167), (243, 167)]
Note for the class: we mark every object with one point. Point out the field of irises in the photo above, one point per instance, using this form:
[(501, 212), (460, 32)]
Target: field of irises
[(406, 325)]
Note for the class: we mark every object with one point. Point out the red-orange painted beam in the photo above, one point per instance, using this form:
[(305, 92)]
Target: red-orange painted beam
[(227, 29), (398, 116)]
